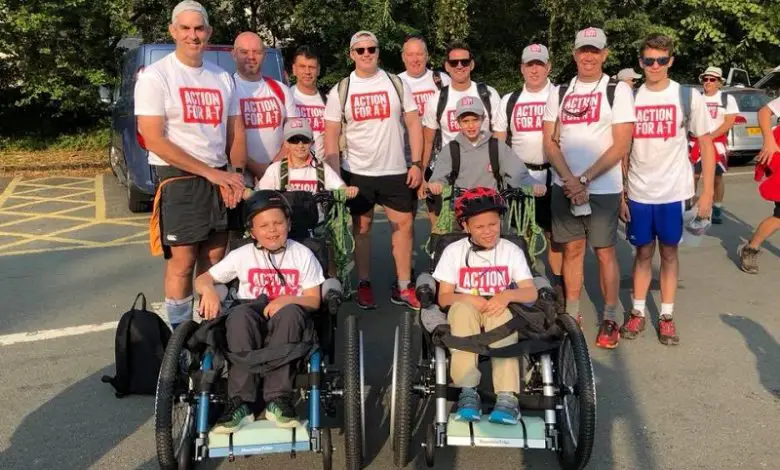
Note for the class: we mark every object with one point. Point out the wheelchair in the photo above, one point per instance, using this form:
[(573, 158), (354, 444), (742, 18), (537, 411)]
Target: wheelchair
[(557, 399), (192, 385)]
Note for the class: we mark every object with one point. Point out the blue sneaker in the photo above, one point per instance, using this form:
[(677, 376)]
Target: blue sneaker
[(469, 406), (507, 409)]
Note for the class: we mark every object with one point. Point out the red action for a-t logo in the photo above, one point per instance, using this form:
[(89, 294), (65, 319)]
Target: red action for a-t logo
[(368, 106), (261, 113), (656, 122), (487, 280), (315, 116), (201, 105), (266, 281), (528, 117), (302, 185), (582, 109), (713, 109), (421, 98)]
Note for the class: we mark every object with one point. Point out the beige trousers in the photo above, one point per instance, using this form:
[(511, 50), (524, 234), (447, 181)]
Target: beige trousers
[(465, 320)]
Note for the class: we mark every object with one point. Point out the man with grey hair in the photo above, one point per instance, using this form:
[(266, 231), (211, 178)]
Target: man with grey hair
[(188, 118)]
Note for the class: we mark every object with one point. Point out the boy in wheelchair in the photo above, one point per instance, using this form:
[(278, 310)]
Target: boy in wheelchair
[(479, 276), (288, 277)]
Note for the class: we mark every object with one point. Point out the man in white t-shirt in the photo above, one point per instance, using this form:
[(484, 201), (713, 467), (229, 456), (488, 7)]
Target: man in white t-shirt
[(586, 135), (309, 100), (188, 117), (265, 104), (629, 76), (723, 118), (440, 125), (659, 181), (367, 109), (519, 121)]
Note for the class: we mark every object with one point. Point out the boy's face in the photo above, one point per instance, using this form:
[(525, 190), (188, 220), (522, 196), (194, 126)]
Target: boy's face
[(299, 148), (470, 125), (484, 228), (270, 229)]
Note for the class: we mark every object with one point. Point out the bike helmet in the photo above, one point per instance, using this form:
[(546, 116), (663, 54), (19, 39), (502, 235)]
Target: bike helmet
[(262, 200), (476, 201)]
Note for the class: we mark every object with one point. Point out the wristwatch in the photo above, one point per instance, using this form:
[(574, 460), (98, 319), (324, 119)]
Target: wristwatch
[(584, 180), (240, 171), (418, 164)]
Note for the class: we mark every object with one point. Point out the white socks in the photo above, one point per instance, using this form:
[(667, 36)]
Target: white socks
[(667, 310), (639, 307)]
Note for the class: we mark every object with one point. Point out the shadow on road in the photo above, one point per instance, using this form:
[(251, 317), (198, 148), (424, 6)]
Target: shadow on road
[(764, 346), (730, 239)]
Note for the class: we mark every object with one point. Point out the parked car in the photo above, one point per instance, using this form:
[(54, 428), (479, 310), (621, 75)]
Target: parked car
[(745, 138), (126, 155)]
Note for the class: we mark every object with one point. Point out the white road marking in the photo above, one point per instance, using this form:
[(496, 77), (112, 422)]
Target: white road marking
[(740, 173)]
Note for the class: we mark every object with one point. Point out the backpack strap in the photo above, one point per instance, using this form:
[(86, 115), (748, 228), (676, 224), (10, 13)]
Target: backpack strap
[(284, 174), (276, 88), (510, 108), (437, 79), (685, 103), (323, 95), (724, 100), (611, 86), (484, 95), (398, 84), (455, 155), (343, 90), (319, 167), (494, 165), (562, 89), (443, 95)]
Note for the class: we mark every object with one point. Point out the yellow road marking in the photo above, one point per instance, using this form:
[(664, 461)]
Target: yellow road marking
[(67, 248), (54, 199), (100, 199), (129, 222), (52, 236), (145, 233), (41, 188), (9, 189), (76, 179)]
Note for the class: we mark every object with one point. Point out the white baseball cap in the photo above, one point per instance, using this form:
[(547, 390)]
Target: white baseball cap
[(297, 126), (362, 36), (534, 52), (469, 105), (593, 37), (189, 5), (625, 74)]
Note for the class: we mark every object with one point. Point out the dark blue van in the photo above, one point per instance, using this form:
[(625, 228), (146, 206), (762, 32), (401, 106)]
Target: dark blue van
[(127, 158)]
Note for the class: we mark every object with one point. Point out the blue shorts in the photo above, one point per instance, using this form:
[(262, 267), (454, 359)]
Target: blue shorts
[(651, 221)]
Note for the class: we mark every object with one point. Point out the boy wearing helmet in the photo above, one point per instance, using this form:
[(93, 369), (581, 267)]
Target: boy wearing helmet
[(479, 276), (289, 275)]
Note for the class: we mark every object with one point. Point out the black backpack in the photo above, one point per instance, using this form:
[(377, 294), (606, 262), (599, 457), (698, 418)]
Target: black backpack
[(141, 338), (492, 153)]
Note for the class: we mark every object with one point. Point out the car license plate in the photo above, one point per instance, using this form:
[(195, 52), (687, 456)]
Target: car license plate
[(753, 131)]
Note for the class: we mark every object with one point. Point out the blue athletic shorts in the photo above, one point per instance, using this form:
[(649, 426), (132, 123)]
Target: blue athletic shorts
[(651, 221)]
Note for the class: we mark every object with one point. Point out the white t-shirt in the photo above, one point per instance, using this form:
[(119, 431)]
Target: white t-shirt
[(449, 123), (312, 108), (374, 130), (256, 275), (264, 114), (299, 179), (716, 110), (585, 138), (195, 102), (489, 271), (660, 171), (423, 87), (527, 123), (774, 106)]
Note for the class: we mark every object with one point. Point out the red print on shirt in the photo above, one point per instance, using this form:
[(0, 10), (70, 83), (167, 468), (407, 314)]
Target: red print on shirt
[(315, 116), (302, 185), (527, 117), (487, 280), (655, 122), (713, 109), (368, 106), (452, 121), (261, 113), (201, 105), (266, 281), (421, 98), (581, 109)]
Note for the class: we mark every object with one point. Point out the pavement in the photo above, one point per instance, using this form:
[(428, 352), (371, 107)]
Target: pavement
[(72, 259)]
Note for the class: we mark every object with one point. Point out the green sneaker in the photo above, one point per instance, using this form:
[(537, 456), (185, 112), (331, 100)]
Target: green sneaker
[(236, 415), (281, 411)]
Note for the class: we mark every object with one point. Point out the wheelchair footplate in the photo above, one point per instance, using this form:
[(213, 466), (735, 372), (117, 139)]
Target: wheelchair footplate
[(529, 433), (260, 437)]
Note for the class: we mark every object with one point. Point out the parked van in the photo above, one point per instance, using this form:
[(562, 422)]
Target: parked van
[(128, 159)]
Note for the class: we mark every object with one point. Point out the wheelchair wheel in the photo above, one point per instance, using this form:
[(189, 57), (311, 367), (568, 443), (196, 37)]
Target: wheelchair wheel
[(353, 399), (401, 402), (430, 446), (327, 449), (573, 375), (175, 404)]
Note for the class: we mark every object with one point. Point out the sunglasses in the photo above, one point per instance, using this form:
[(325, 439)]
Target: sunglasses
[(299, 139), (461, 62), (362, 50), (649, 61), (710, 80)]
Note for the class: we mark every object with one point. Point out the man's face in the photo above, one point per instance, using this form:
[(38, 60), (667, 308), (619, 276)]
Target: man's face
[(535, 73), (459, 65), (590, 60), (711, 84), (190, 33), (414, 57), (655, 63), (470, 126), (249, 54), (365, 53), (306, 71)]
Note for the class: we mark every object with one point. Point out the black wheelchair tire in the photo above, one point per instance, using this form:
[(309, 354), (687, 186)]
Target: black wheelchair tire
[(574, 455), (403, 393), (353, 424), (164, 401), (327, 449), (430, 446)]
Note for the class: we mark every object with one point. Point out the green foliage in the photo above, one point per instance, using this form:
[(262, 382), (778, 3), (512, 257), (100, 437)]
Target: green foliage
[(94, 138)]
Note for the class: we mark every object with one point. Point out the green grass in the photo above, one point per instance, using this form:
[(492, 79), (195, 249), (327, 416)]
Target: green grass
[(89, 139)]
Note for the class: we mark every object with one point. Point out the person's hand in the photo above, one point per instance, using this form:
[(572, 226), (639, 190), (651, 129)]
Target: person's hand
[(539, 190), (624, 214), (572, 186), (768, 150), (273, 307), (478, 302), (495, 306), (228, 196), (421, 190), (209, 304), (352, 191), (413, 177), (705, 204), (231, 186), (580, 198), (435, 188)]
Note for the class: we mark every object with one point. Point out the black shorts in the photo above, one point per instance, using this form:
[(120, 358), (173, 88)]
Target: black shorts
[(388, 191), (191, 209), (544, 203)]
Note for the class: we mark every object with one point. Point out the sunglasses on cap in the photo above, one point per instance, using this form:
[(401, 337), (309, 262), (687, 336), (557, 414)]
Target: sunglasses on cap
[(362, 50), (462, 62), (710, 79), (299, 139), (649, 61)]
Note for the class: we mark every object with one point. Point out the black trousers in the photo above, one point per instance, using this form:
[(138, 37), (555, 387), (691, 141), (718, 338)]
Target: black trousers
[(249, 329)]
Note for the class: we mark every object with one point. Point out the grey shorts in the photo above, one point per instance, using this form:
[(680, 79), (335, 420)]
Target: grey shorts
[(600, 227)]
